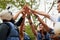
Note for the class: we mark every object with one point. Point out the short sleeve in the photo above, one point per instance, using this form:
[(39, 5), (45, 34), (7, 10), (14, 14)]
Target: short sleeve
[(18, 23)]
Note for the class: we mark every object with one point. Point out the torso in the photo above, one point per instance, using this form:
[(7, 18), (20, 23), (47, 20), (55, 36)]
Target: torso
[(39, 36)]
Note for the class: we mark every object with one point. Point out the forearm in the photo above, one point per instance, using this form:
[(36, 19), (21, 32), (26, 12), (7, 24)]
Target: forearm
[(44, 14), (32, 27), (17, 14), (47, 15), (18, 23), (22, 25), (21, 29), (41, 13), (43, 23)]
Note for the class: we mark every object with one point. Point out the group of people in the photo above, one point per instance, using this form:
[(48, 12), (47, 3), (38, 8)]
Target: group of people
[(11, 30)]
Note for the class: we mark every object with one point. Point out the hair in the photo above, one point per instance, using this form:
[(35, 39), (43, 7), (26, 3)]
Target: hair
[(44, 30), (58, 1)]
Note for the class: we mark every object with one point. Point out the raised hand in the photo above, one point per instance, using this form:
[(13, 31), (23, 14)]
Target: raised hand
[(27, 9)]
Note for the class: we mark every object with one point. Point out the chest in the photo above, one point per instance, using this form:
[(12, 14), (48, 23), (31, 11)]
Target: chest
[(40, 37)]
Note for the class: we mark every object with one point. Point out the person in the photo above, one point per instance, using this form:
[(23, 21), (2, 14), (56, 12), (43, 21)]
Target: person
[(55, 18), (6, 17), (8, 30), (42, 32), (53, 36), (23, 34)]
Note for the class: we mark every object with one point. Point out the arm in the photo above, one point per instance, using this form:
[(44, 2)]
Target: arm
[(41, 13), (32, 26), (18, 23), (17, 14), (43, 23), (21, 28), (21, 31)]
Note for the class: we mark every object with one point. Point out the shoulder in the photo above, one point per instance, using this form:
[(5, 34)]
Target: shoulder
[(3, 25)]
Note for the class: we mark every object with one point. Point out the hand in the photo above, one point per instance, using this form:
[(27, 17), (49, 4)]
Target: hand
[(27, 9), (22, 10)]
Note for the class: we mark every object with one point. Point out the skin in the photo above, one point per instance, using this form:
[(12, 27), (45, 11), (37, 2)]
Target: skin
[(22, 28), (17, 14), (58, 7)]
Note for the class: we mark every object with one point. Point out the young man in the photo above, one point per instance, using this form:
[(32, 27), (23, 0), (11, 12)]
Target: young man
[(43, 31)]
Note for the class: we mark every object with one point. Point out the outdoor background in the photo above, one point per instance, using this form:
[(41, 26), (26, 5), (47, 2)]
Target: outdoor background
[(49, 6)]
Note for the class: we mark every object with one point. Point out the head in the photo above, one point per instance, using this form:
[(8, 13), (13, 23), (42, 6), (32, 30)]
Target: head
[(5, 15), (58, 6), (40, 27)]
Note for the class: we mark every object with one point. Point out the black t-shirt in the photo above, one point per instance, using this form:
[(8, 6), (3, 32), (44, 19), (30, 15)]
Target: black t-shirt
[(18, 23), (12, 20)]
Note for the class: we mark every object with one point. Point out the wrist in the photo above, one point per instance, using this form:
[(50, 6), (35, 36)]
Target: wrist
[(31, 23)]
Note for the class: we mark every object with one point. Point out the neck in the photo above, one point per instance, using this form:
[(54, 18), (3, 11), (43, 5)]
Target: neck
[(5, 21)]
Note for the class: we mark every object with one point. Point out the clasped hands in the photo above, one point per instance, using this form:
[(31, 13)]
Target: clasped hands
[(26, 11)]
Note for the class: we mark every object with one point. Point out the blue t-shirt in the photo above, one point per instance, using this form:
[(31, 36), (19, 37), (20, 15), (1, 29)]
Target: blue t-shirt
[(26, 36), (46, 37)]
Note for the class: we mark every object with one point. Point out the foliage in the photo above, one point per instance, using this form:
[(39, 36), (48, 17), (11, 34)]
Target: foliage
[(29, 31), (17, 3)]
